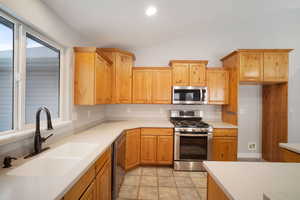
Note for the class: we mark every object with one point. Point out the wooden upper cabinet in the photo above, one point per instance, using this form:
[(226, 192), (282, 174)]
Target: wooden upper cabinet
[(198, 74), (189, 72), (261, 65), (151, 85), (121, 74), (142, 86), (251, 67), (133, 146), (181, 74), (161, 86), (91, 76), (276, 67), (217, 83)]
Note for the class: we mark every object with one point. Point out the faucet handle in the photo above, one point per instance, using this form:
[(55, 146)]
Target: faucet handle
[(46, 138)]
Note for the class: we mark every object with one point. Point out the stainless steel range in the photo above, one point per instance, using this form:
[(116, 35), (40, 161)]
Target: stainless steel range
[(193, 139)]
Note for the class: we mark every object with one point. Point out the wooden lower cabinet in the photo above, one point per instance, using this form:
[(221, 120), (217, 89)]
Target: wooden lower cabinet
[(214, 192), (165, 150), (289, 156), (95, 184), (156, 146), (103, 182), (133, 146), (148, 149), (90, 193), (224, 145)]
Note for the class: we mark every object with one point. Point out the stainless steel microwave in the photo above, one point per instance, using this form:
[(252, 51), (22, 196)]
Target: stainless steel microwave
[(189, 95)]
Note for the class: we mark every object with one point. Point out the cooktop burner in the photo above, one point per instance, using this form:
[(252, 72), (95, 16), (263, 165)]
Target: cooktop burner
[(189, 123)]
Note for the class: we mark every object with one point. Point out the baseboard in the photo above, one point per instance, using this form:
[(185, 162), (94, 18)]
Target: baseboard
[(249, 155)]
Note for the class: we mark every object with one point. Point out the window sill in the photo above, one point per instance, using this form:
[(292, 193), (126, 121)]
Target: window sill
[(27, 133)]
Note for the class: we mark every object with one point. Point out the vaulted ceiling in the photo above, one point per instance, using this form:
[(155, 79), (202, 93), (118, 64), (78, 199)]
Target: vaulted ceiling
[(123, 23)]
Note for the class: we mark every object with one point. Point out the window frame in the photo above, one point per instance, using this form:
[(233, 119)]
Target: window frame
[(19, 76)]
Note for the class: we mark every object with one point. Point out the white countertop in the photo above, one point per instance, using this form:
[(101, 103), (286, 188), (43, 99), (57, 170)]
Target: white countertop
[(295, 147), (219, 124), (250, 180), (36, 187)]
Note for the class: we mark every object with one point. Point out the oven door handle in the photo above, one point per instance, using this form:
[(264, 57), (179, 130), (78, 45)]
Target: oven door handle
[(194, 135)]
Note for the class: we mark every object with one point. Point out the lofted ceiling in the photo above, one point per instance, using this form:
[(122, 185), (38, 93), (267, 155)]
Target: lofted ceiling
[(123, 23)]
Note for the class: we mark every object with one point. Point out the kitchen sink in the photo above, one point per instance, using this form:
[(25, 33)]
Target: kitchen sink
[(55, 162)]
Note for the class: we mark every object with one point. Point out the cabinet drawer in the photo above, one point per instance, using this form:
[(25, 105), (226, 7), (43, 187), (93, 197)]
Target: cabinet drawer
[(80, 186), (225, 132), (102, 160), (156, 131)]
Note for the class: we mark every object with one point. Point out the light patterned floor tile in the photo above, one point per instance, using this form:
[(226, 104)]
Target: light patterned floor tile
[(181, 173), (167, 193), (148, 193), (165, 181), (128, 192), (199, 182), (149, 171), (131, 180), (188, 194), (203, 193), (165, 171), (134, 172), (184, 182), (149, 181)]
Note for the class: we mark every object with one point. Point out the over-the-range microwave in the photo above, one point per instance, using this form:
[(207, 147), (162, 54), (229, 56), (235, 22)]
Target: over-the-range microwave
[(189, 95)]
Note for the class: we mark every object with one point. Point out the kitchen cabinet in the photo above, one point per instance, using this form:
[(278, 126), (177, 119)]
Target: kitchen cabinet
[(103, 182), (152, 85), (121, 74), (217, 83), (157, 146), (224, 145), (92, 76), (90, 193), (95, 184), (289, 156), (276, 67), (251, 67), (214, 192), (133, 148), (189, 72)]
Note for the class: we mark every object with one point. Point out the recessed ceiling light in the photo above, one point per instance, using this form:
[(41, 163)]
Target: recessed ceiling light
[(151, 10)]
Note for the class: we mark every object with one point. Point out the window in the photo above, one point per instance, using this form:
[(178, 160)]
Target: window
[(30, 70), (42, 78), (6, 74)]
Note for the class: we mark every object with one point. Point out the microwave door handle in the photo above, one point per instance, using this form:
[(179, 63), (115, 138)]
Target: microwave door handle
[(203, 94)]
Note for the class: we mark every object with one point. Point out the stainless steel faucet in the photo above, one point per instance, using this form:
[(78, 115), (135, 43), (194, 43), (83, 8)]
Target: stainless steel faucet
[(38, 139)]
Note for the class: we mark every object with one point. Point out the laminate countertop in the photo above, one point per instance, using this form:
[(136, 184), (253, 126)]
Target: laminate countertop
[(51, 180), (252, 180), (295, 147)]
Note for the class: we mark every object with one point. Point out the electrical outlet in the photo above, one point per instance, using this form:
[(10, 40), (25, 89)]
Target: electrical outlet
[(252, 146)]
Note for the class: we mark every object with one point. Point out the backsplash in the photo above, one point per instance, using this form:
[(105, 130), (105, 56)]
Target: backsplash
[(157, 112)]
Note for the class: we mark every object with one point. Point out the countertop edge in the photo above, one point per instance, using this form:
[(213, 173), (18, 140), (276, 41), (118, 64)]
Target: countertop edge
[(290, 148)]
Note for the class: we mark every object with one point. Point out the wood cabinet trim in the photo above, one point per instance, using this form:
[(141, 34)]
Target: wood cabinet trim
[(188, 61), (157, 131), (103, 159), (289, 156)]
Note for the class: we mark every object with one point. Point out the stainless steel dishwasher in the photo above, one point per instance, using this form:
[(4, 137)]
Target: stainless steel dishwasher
[(118, 166)]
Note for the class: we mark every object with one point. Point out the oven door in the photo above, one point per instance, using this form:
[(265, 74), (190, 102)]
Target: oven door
[(189, 95), (192, 147)]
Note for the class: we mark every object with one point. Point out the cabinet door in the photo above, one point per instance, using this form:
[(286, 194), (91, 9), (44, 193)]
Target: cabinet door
[(161, 86), (142, 86), (181, 74), (84, 83), (197, 74), (133, 148), (165, 150), (108, 84), (103, 182), (148, 149), (123, 78), (251, 67), (276, 67), (217, 82), (90, 193), (224, 149), (100, 80)]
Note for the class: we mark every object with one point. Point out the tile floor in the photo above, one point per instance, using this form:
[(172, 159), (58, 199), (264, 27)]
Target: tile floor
[(150, 183)]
